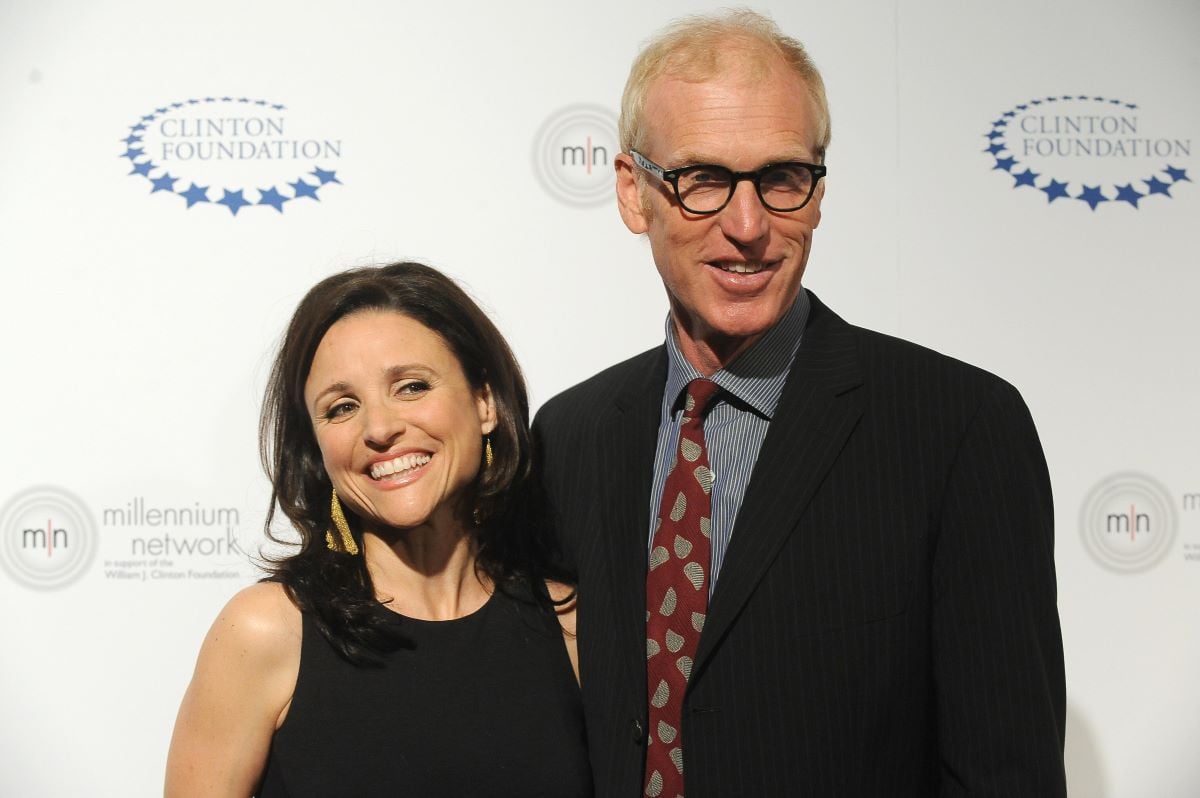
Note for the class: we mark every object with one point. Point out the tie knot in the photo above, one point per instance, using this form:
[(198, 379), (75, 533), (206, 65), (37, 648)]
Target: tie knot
[(700, 393)]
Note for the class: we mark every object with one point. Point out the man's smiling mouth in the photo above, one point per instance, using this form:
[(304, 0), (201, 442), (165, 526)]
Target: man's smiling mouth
[(740, 267)]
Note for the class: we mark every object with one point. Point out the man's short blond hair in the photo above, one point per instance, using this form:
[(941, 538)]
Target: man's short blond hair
[(696, 48)]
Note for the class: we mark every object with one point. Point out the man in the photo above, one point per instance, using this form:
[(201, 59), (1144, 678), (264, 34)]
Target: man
[(860, 596)]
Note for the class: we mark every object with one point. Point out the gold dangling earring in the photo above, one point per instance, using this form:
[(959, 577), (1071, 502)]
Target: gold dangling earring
[(339, 521)]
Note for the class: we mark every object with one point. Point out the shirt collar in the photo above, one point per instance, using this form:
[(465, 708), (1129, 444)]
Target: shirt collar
[(757, 376)]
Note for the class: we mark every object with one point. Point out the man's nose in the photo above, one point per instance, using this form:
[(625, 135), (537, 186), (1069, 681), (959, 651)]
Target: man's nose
[(745, 219)]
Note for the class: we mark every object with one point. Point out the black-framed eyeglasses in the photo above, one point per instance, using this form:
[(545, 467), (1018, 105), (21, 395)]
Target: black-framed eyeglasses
[(707, 188)]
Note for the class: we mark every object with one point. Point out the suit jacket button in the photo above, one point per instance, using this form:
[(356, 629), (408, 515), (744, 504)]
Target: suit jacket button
[(639, 733)]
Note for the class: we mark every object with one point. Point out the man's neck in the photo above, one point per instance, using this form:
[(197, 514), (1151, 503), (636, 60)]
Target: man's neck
[(708, 355)]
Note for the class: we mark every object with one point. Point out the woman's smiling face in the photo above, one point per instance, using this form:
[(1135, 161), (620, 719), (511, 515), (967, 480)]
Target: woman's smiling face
[(399, 426)]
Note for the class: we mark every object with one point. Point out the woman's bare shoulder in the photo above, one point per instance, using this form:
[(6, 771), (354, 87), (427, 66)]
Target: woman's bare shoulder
[(259, 621), (239, 694)]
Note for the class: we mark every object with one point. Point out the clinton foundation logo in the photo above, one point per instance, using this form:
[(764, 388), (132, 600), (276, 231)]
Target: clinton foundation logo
[(48, 538), (573, 155), (241, 153), (1128, 523), (1092, 150)]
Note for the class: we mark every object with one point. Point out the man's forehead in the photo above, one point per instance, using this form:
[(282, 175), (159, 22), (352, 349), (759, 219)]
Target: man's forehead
[(697, 120), (747, 68)]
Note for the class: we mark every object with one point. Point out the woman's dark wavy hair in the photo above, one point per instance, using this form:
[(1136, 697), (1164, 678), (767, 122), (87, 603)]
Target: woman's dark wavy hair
[(335, 588)]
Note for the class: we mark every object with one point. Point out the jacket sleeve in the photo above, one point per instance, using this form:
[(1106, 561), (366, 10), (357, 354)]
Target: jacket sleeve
[(997, 646), (547, 477)]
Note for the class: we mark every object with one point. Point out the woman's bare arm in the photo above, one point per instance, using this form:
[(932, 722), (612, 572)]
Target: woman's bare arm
[(566, 619), (238, 696)]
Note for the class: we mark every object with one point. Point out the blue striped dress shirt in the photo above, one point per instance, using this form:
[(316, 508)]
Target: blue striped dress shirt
[(736, 424)]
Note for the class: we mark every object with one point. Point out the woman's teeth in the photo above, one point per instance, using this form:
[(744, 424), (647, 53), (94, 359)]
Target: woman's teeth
[(403, 463)]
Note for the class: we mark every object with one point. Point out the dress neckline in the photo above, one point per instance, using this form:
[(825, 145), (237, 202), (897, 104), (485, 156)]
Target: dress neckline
[(470, 617)]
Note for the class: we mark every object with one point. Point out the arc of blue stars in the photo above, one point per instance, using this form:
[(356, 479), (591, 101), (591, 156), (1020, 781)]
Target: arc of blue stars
[(233, 199), (1094, 196)]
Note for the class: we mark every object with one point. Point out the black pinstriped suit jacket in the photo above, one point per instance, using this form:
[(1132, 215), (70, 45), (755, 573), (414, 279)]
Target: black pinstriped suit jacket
[(885, 621)]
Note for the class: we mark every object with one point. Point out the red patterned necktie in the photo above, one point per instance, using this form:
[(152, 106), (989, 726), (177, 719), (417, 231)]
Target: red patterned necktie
[(677, 593)]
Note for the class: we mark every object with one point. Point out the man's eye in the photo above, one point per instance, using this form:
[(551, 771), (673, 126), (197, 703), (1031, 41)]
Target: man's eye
[(784, 177), (708, 177)]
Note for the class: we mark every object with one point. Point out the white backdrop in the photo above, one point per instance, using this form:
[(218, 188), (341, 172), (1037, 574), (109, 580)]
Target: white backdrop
[(138, 312)]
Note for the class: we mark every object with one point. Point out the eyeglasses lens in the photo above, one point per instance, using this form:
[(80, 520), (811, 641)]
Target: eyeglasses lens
[(783, 187)]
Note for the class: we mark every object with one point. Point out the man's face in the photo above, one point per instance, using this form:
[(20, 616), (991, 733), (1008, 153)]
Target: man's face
[(731, 275)]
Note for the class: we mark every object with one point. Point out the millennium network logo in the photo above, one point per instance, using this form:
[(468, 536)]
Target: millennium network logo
[(1128, 522), (573, 155), (47, 538), (1090, 149), (234, 152)]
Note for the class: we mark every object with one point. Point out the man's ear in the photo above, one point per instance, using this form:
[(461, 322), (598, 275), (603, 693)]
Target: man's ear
[(629, 196), (818, 195)]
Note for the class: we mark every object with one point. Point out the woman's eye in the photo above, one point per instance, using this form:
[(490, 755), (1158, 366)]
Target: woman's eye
[(412, 388), (339, 409)]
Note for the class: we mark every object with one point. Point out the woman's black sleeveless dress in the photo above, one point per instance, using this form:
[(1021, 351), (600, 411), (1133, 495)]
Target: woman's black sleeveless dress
[(485, 705)]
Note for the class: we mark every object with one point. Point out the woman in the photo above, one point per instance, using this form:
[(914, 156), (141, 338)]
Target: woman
[(410, 645)]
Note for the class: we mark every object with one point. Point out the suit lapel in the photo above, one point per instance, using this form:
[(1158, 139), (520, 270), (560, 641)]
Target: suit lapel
[(627, 442), (817, 412)]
